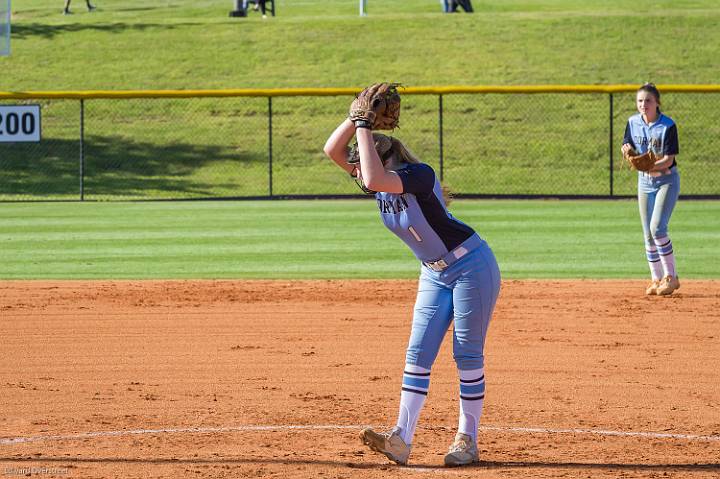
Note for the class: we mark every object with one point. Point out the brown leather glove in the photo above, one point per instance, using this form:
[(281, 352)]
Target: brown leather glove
[(644, 162), (377, 107)]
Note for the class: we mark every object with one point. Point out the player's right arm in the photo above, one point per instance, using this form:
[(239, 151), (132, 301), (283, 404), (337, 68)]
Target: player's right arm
[(336, 147), (628, 143)]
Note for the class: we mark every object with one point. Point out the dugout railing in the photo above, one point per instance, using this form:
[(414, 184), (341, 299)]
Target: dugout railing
[(484, 141)]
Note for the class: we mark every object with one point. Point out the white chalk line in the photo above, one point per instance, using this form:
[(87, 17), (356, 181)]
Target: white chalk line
[(600, 432), (310, 427), (132, 432)]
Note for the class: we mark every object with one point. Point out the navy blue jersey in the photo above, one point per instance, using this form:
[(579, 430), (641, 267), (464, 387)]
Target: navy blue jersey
[(419, 216), (661, 137)]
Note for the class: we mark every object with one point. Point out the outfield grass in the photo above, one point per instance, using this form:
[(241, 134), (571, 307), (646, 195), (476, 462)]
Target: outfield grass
[(332, 239)]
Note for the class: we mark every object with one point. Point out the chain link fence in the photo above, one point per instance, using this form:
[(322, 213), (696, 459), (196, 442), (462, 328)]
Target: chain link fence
[(268, 143)]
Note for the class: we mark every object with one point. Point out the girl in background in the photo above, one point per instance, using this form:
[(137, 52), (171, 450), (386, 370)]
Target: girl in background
[(659, 188)]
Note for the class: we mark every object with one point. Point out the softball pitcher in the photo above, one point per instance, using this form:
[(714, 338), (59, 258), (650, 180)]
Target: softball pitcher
[(658, 188), (459, 283)]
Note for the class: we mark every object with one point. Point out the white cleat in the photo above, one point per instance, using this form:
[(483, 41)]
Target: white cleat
[(667, 285), (652, 288), (463, 451), (388, 443)]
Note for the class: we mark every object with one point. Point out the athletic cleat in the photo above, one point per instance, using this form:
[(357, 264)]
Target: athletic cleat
[(652, 288), (463, 451), (388, 443), (667, 285)]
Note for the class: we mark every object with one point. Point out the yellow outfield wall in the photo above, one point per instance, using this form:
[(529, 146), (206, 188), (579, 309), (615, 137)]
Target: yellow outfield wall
[(285, 92)]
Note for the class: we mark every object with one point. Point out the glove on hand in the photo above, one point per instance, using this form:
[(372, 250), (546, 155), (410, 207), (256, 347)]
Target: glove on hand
[(644, 162), (377, 105)]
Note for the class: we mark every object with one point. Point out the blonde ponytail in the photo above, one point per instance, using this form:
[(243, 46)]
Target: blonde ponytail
[(408, 156), (447, 194)]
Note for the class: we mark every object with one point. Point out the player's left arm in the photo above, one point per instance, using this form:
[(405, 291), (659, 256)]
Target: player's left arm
[(670, 150), (663, 163), (374, 174)]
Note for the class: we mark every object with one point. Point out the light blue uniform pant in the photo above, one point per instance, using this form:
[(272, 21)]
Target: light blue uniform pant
[(465, 292), (656, 199)]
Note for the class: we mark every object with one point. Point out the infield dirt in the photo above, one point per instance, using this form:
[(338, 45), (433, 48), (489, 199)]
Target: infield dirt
[(109, 379)]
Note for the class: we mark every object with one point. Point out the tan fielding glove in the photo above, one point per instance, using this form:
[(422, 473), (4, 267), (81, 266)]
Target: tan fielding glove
[(377, 107), (644, 162)]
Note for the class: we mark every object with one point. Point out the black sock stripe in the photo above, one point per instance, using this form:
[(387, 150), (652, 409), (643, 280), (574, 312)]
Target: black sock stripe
[(468, 398), (424, 393), (654, 260), (663, 245), (481, 378), (416, 374), (667, 254)]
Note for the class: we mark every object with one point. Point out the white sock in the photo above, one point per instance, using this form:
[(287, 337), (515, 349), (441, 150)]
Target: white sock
[(667, 258), (415, 385), (653, 257), (472, 395)]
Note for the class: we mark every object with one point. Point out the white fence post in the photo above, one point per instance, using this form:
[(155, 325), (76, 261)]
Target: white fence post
[(4, 27)]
